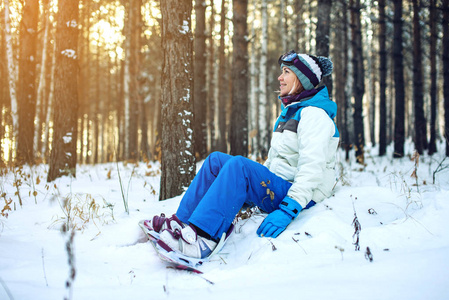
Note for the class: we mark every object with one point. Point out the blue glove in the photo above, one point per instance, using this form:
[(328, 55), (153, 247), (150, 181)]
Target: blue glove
[(278, 220)]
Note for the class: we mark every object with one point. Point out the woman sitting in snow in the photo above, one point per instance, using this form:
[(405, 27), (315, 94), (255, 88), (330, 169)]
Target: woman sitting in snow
[(299, 169)]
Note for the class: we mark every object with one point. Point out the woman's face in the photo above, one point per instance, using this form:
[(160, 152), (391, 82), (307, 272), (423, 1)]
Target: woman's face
[(289, 83)]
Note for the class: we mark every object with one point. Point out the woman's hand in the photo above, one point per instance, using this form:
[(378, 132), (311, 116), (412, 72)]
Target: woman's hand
[(274, 224), (278, 220)]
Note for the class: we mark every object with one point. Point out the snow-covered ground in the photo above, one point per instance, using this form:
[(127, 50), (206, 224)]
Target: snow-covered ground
[(404, 221)]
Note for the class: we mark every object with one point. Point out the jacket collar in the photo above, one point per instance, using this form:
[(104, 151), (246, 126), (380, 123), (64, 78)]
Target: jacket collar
[(320, 99), (304, 95)]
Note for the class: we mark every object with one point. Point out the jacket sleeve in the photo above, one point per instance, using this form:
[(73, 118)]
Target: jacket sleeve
[(315, 130)]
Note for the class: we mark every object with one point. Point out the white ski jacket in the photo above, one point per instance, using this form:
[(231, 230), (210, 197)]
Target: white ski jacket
[(303, 148)]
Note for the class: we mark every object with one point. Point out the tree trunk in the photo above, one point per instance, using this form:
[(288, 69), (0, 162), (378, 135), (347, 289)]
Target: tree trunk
[(263, 101), (299, 26), (341, 75), (200, 87), (96, 107), (143, 112), (446, 71), (178, 160), (4, 97), (63, 154), (12, 73), (134, 71), (372, 79), (42, 85), (120, 108), (323, 34), (109, 112), (50, 108), (283, 26), (211, 81), (358, 86), (399, 123), (418, 97), (86, 99), (130, 85), (253, 108), (222, 144), (239, 115), (382, 80), (433, 77)]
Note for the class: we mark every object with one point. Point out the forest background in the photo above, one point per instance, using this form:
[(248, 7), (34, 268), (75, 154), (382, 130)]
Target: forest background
[(88, 82)]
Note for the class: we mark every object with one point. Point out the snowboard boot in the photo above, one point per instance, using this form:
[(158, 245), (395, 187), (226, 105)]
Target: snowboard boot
[(161, 223), (186, 242)]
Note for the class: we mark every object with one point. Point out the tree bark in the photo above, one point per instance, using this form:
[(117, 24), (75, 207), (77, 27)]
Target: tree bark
[(86, 78), (433, 76), (120, 104), (144, 152), (200, 87), (50, 109), (323, 35), (358, 85), (211, 81), (341, 75), (4, 97), (399, 123), (130, 85), (418, 96), (222, 143), (12, 73), (133, 71), (299, 26), (283, 26), (263, 101), (42, 85), (382, 80), (63, 154), (446, 71), (178, 160), (253, 98), (239, 115), (96, 106)]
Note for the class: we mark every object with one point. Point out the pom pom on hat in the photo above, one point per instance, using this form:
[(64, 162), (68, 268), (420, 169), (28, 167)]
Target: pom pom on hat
[(326, 65)]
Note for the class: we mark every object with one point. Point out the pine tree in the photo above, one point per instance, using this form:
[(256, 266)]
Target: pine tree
[(383, 80), (27, 81), (222, 143), (446, 71), (433, 76), (239, 115), (418, 95), (63, 153), (11, 71), (399, 124), (358, 85), (200, 87), (323, 34), (178, 160), (263, 73), (211, 86)]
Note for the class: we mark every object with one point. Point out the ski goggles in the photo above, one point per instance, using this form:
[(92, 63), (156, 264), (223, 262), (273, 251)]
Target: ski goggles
[(288, 58)]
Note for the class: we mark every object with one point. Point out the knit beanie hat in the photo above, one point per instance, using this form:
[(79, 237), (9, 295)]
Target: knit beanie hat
[(308, 68)]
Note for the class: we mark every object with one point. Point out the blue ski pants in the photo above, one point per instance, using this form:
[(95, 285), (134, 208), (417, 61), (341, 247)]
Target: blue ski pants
[(221, 187)]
